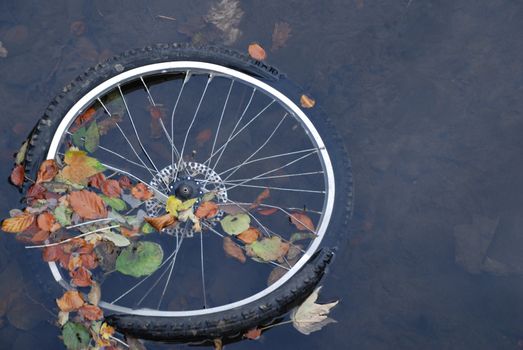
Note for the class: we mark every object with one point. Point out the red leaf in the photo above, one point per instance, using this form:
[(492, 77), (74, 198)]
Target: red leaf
[(83, 118), (91, 312), (45, 221), (253, 334), (87, 204), (203, 136), (81, 277), (268, 211), (47, 171), (96, 180), (18, 175), (207, 210), (89, 260), (111, 188), (52, 253), (302, 221), (141, 192), (36, 191), (125, 182), (261, 197)]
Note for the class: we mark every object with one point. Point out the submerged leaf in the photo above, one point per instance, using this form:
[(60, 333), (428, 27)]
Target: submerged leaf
[(235, 224), (310, 317), (300, 236), (269, 249), (280, 35), (92, 138), (47, 171), (75, 336), (233, 250), (203, 136), (78, 137), (87, 204), (140, 259), (18, 224), (302, 221), (261, 197), (18, 175), (20, 155)]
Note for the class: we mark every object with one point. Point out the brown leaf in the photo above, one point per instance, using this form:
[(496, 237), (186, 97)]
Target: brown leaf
[(257, 52), (18, 224), (253, 334), (160, 222), (36, 191), (261, 197), (302, 221), (95, 294), (233, 250), (203, 136), (96, 180), (250, 235), (83, 119), (125, 182), (18, 175), (52, 253), (89, 260), (40, 237), (267, 211), (280, 35), (81, 277), (87, 204), (111, 188), (206, 210), (72, 300), (79, 167), (307, 102), (45, 221), (47, 171), (91, 312), (141, 192)]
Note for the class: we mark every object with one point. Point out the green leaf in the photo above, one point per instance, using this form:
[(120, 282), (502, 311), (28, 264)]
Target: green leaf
[(147, 228), (300, 236), (118, 240), (92, 138), (140, 259), (76, 336), (269, 249), (78, 137), (235, 224), (63, 214), (20, 156), (209, 196), (115, 203)]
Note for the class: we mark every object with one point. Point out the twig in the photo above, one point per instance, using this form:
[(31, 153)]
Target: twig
[(166, 17), (70, 239)]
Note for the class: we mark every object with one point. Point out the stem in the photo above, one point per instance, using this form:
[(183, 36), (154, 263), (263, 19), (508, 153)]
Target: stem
[(275, 325)]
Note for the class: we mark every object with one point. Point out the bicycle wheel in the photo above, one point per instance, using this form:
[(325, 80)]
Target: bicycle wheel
[(205, 124)]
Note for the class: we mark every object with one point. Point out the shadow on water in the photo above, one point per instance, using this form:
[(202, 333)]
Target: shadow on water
[(427, 99)]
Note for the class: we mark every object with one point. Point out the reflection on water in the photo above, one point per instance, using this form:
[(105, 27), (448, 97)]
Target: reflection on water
[(426, 98)]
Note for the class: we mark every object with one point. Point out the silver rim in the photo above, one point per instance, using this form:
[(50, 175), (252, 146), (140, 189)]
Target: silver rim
[(213, 70)]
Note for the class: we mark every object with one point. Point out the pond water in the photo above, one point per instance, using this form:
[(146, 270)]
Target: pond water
[(426, 96)]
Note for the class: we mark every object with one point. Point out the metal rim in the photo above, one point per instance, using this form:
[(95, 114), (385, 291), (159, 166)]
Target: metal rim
[(166, 67)]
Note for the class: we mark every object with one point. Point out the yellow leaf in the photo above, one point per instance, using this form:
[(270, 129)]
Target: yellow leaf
[(18, 224), (173, 205), (310, 317), (307, 102)]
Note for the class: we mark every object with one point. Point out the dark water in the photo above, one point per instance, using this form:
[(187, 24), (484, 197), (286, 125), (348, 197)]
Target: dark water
[(426, 95)]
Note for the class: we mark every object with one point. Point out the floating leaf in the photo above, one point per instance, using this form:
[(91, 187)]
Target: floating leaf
[(234, 208), (81, 277), (111, 188), (78, 137), (63, 317), (18, 175), (79, 167), (187, 204), (75, 336), (91, 312), (233, 250), (97, 180), (36, 191), (92, 138), (85, 117), (47, 171), (207, 210), (253, 334), (261, 197), (62, 214), (141, 192), (257, 52), (203, 136), (72, 300), (140, 259), (18, 224), (95, 294), (269, 249), (235, 224), (41, 236), (45, 221), (115, 203), (20, 155), (160, 222), (300, 236), (310, 317), (249, 236), (280, 35), (87, 204), (307, 102), (172, 206), (118, 240), (302, 221), (267, 211), (125, 182)]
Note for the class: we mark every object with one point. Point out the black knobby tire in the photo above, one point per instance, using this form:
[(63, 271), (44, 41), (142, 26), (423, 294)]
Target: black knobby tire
[(234, 321)]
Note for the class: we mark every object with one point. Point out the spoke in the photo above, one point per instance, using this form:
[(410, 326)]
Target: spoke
[(259, 148), (204, 290), (137, 135), (180, 158), (270, 187), (267, 231), (220, 122), (178, 245), (192, 123), (279, 176), (273, 170)]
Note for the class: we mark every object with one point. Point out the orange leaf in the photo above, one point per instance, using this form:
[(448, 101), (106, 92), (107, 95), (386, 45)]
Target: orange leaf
[(89, 260), (160, 222), (268, 211), (97, 180), (80, 167), (307, 102), (253, 334), (125, 182), (18, 224), (233, 250), (111, 188), (81, 277), (257, 52), (52, 253), (129, 233), (74, 261), (40, 236), (45, 221), (84, 117), (47, 172), (72, 300), (87, 204), (206, 210), (141, 192), (302, 221), (203, 136), (250, 235), (91, 312), (17, 175), (261, 197)]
